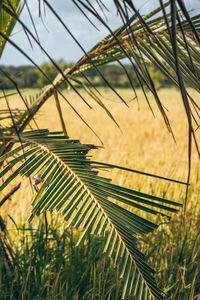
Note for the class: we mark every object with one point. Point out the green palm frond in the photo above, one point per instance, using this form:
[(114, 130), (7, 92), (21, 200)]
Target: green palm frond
[(153, 46), (7, 22), (70, 184)]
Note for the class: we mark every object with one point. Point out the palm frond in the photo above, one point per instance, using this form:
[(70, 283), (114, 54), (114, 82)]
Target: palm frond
[(70, 184), (7, 22), (154, 45)]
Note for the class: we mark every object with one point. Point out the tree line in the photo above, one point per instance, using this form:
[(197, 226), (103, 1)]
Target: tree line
[(30, 77)]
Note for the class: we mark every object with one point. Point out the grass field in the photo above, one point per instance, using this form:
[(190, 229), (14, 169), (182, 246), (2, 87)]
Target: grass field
[(142, 143)]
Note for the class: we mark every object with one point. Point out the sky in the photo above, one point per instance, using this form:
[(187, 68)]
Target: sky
[(54, 38)]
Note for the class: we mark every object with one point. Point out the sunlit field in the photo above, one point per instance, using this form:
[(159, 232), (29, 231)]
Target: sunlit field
[(141, 142)]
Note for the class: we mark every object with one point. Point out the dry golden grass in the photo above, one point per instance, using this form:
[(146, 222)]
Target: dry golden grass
[(143, 143)]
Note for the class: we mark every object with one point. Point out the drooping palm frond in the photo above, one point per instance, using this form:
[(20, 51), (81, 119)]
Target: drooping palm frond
[(151, 45), (177, 52), (69, 183)]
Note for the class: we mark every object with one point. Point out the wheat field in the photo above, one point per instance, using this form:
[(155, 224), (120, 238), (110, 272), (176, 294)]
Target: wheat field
[(142, 142)]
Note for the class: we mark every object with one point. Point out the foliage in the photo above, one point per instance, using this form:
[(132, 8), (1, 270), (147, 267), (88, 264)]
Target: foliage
[(178, 258), (30, 77), (50, 70), (60, 269), (24, 76)]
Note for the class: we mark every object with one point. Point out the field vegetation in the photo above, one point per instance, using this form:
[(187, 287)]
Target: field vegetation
[(143, 143), (82, 168), (30, 77)]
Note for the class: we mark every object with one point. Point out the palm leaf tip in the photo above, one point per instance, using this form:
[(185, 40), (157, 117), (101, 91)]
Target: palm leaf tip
[(70, 184)]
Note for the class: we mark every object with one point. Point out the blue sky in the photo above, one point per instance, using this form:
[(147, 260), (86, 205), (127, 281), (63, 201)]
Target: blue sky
[(56, 40)]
